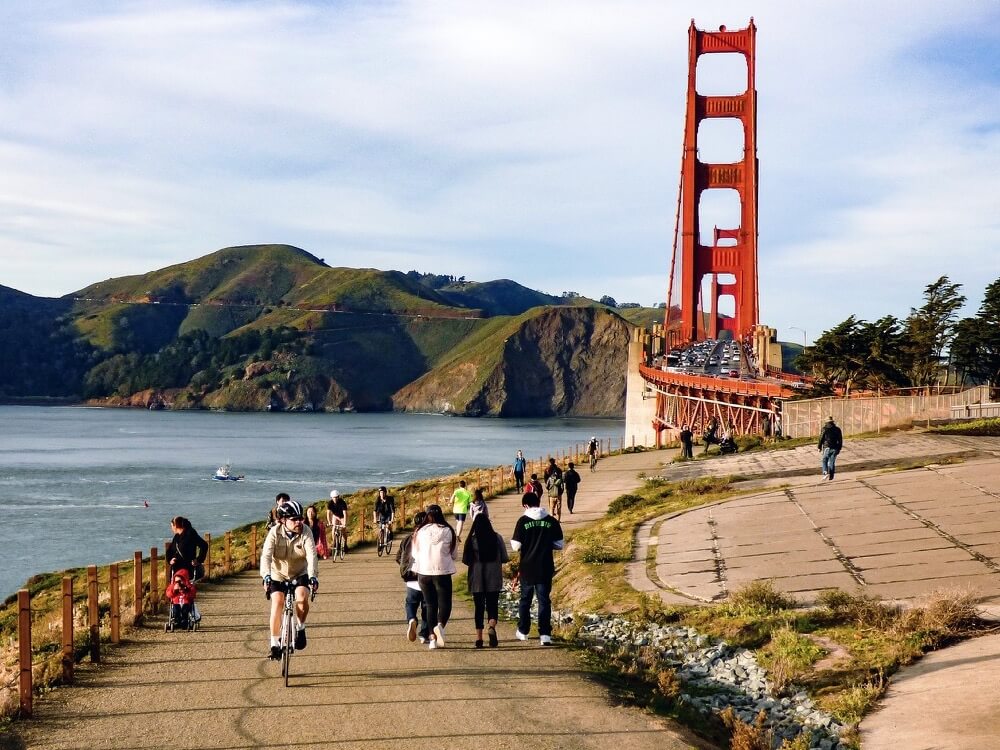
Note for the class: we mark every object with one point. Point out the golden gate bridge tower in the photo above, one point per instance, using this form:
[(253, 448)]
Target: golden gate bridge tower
[(712, 294)]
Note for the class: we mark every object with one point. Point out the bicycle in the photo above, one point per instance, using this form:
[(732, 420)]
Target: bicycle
[(287, 642), (339, 542), (593, 462), (384, 539)]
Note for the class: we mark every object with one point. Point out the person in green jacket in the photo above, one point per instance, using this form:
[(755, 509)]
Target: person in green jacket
[(461, 499)]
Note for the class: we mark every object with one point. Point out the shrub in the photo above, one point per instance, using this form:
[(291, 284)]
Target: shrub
[(864, 610), (758, 598), (745, 736), (623, 503), (787, 656), (668, 684)]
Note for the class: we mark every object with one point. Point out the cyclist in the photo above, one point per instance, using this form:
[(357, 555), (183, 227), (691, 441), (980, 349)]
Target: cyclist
[(592, 450), (336, 515), (272, 517), (289, 554), (384, 512)]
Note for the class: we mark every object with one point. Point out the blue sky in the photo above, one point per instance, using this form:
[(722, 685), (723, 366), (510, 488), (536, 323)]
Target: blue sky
[(533, 141)]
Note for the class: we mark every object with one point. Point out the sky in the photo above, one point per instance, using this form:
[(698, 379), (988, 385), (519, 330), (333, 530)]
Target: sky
[(538, 141)]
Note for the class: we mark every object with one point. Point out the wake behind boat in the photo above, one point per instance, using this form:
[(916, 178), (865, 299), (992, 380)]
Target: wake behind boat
[(224, 474)]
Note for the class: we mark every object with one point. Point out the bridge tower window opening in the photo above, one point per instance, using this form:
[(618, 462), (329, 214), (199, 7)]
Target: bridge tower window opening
[(721, 140)]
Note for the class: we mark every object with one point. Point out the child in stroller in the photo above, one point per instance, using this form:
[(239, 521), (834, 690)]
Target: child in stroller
[(181, 593)]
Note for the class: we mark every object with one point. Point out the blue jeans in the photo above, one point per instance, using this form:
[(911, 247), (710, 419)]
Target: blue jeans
[(542, 591), (829, 461), (415, 600)]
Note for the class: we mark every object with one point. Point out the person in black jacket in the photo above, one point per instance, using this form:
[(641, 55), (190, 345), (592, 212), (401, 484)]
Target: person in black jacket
[(687, 442), (571, 478), (536, 535), (187, 548), (485, 555), (831, 440)]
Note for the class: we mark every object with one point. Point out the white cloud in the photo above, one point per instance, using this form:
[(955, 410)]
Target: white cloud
[(536, 141)]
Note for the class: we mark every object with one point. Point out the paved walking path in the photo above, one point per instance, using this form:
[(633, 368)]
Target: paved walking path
[(359, 683)]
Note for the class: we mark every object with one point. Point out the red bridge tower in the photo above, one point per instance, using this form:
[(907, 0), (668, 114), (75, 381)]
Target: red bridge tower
[(733, 250)]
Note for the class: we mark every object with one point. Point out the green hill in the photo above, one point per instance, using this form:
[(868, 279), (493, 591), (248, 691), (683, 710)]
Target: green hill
[(273, 327)]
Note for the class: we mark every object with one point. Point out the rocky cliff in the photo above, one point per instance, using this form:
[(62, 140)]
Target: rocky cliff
[(548, 362)]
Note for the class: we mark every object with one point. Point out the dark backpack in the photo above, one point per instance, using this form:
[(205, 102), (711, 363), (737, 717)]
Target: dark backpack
[(405, 559)]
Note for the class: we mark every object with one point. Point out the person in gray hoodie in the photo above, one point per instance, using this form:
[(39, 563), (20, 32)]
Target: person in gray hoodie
[(536, 535), (485, 555)]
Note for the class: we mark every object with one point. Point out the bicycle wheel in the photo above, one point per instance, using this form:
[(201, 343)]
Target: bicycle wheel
[(388, 544), (381, 542), (286, 646), (342, 545)]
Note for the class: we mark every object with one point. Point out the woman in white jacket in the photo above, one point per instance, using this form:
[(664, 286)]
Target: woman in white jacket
[(435, 549)]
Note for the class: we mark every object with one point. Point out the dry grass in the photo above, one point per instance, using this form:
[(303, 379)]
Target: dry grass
[(757, 598)]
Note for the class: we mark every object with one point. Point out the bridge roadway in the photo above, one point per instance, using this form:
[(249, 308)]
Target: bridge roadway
[(359, 683)]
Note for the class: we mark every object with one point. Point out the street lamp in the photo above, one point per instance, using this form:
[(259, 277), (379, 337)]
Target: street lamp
[(796, 328)]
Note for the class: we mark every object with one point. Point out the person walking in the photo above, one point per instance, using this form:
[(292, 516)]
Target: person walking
[(485, 554), (554, 485), (687, 442), (435, 549), (571, 479), (831, 440), (318, 529), (517, 469), (414, 600), (461, 499), (535, 486), (478, 506), (536, 535), (711, 434)]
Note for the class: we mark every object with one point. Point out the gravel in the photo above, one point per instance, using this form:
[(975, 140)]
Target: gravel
[(714, 675)]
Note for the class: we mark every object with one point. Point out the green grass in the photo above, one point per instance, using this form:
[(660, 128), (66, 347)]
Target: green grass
[(978, 427)]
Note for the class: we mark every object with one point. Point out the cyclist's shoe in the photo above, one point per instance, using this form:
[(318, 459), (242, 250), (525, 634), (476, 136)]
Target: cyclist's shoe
[(492, 634), (520, 636), (275, 654), (411, 631), (545, 640), (439, 635), (300, 639)]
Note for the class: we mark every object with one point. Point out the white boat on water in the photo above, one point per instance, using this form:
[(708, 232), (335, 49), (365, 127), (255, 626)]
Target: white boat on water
[(224, 474)]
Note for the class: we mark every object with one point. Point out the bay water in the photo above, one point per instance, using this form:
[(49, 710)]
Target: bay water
[(75, 482)]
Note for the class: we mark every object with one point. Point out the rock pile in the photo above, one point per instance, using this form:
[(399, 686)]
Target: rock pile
[(715, 676)]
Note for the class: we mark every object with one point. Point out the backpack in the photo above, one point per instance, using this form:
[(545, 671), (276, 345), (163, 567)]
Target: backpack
[(405, 560)]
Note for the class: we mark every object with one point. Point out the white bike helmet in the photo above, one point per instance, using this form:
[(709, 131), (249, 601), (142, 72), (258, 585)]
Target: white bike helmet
[(334, 495)]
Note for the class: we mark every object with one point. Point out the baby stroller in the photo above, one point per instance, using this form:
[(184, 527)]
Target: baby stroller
[(728, 445), (183, 613)]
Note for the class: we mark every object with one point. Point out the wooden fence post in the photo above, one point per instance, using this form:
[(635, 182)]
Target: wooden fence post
[(68, 655), (93, 615), (137, 582), (24, 650), (115, 602), (154, 573), (229, 551), (253, 544), (167, 554), (402, 505), (208, 556)]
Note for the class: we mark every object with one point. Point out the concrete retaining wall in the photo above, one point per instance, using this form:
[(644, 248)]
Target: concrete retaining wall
[(857, 415), (640, 406)]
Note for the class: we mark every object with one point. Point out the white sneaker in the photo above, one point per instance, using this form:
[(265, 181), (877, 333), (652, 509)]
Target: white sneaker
[(411, 631), (439, 633), (432, 644), (520, 636), (422, 639), (545, 640)]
